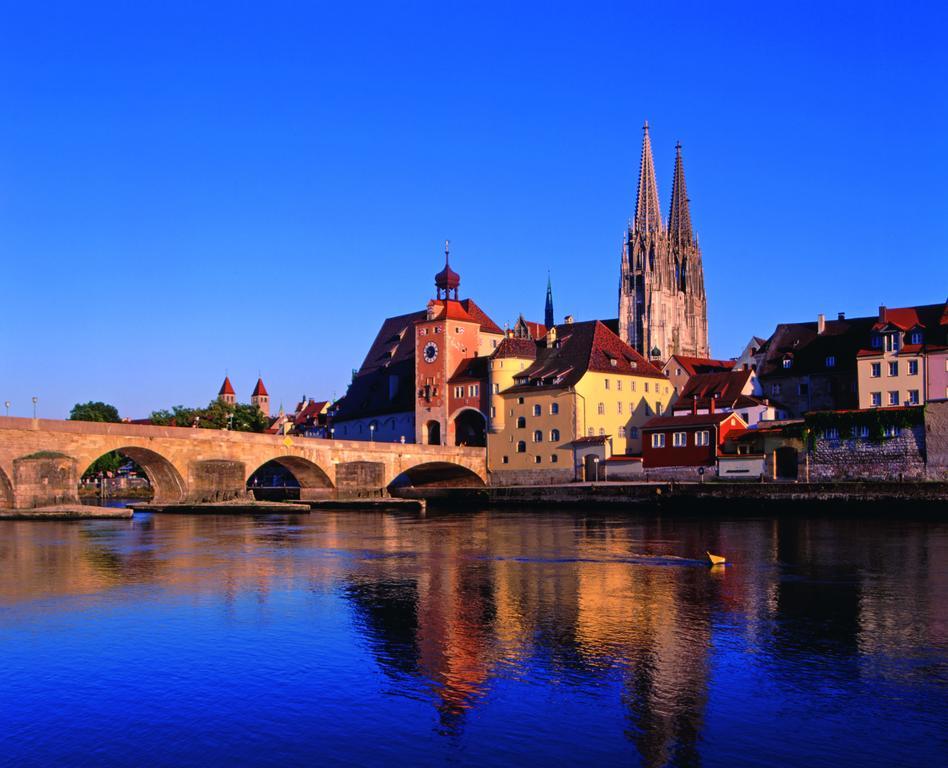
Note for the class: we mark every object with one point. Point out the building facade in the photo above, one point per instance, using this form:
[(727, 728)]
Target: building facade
[(662, 304)]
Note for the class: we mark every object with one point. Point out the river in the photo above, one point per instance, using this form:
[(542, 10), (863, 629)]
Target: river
[(480, 638)]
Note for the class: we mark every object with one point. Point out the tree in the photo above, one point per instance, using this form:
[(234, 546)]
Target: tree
[(94, 411), (249, 418)]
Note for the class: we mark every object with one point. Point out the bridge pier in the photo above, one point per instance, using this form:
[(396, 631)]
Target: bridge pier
[(216, 480), (44, 479)]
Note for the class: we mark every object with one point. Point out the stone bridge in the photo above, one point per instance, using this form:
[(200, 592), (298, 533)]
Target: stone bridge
[(41, 461)]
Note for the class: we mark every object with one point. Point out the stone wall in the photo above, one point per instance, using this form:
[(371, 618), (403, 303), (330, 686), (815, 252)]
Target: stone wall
[(894, 458), (936, 439), (531, 476), (683, 474), (45, 479)]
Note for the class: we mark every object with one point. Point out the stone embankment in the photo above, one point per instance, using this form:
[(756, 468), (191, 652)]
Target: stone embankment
[(819, 498), (66, 512)]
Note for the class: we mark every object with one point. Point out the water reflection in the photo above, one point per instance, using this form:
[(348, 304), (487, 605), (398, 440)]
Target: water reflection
[(652, 656)]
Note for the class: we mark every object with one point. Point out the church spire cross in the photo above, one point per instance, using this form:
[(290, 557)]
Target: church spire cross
[(679, 216), (648, 217)]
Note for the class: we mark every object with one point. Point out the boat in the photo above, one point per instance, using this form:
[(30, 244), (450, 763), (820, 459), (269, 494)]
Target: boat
[(715, 559)]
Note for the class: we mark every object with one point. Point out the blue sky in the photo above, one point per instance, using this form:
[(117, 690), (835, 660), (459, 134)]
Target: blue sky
[(189, 188)]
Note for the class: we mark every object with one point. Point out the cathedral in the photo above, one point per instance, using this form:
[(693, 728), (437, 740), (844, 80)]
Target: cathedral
[(662, 306)]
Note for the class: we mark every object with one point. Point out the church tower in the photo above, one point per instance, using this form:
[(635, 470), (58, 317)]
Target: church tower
[(227, 393), (261, 398), (662, 307), (548, 319)]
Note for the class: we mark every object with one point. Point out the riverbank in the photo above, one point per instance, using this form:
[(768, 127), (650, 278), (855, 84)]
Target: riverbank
[(735, 497), (226, 508)]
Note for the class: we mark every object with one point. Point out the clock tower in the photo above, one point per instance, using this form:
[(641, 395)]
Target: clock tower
[(444, 339)]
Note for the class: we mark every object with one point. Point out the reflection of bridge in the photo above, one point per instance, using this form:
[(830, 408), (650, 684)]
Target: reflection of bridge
[(41, 461)]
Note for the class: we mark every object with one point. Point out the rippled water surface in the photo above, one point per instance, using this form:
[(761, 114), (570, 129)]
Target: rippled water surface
[(491, 638)]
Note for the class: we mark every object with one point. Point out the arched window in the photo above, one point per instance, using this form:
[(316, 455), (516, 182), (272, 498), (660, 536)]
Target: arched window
[(592, 431), (521, 447), (677, 273), (621, 431), (554, 408), (536, 410), (684, 274), (554, 435), (521, 422), (602, 432), (537, 436), (601, 409)]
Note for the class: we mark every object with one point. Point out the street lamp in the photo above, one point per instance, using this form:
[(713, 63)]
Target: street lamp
[(6, 405), (35, 401), (372, 433), (596, 465), (332, 433)]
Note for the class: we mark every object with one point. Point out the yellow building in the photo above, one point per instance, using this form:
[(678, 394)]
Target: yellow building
[(580, 382), (892, 369)]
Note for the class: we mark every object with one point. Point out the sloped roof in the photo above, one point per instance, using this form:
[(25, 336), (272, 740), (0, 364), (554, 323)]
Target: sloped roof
[(690, 420), (699, 365), (226, 387), (808, 349), (471, 369), (525, 349), (487, 325), (583, 347), (260, 390), (726, 386)]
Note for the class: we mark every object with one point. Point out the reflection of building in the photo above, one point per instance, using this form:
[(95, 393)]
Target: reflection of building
[(424, 378), (662, 306)]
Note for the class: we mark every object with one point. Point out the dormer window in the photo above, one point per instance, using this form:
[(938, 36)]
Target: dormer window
[(892, 342), (831, 361), (916, 337), (876, 340), (787, 362)]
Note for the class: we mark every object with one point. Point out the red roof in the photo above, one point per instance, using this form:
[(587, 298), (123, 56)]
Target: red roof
[(690, 420), (447, 278), (487, 325), (226, 388), (537, 330), (260, 390), (520, 348), (696, 365)]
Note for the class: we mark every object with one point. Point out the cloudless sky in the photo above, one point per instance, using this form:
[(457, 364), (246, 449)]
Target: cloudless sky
[(199, 187)]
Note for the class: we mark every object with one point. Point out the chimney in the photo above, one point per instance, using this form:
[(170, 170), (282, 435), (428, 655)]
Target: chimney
[(841, 316), (882, 313), (694, 405), (569, 319), (713, 402), (551, 336), (821, 323)]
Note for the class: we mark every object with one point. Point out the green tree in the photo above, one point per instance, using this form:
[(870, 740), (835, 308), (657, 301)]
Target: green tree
[(94, 411), (249, 418)]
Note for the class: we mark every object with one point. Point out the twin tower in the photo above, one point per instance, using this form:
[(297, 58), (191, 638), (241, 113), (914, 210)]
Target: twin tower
[(662, 306)]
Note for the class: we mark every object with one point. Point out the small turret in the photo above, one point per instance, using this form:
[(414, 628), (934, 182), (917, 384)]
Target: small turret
[(227, 393)]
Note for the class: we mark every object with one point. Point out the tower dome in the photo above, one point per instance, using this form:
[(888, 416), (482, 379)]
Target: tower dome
[(447, 279)]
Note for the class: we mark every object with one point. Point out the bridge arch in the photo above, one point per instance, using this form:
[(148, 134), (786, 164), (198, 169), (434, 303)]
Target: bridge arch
[(443, 474), (166, 481), (6, 490), (313, 480)]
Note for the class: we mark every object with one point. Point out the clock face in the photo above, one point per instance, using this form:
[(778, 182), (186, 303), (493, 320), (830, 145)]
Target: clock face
[(430, 352)]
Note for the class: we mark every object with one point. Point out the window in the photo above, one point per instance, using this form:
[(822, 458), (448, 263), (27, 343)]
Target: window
[(606, 382), (634, 433), (913, 397), (554, 435), (521, 447), (678, 371), (474, 390), (493, 412), (658, 409), (602, 432), (437, 329), (862, 432), (876, 340), (803, 388), (892, 342), (875, 370), (536, 410), (916, 337), (496, 389), (702, 437), (831, 361), (787, 362), (831, 433), (658, 440), (423, 332), (893, 369), (537, 436), (890, 431), (619, 384), (601, 409), (646, 386), (633, 381), (458, 329), (459, 391), (591, 432), (913, 367), (554, 459), (679, 439), (619, 407), (621, 431), (521, 422), (506, 459), (876, 399), (612, 362), (519, 401), (554, 408), (537, 459), (648, 410), (894, 397), (775, 389)]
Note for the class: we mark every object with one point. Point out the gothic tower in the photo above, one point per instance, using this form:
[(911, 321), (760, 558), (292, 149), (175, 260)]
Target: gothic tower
[(662, 307), (548, 319)]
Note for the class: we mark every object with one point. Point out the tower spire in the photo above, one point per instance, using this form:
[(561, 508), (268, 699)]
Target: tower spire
[(548, 319), (679, 217), (648, 216)]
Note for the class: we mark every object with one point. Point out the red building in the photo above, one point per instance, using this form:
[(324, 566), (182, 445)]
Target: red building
[(692, 440)]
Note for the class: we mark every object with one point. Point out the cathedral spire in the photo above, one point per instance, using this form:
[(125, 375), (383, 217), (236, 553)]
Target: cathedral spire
[(548, 319), (679, 217), (648, 216)]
